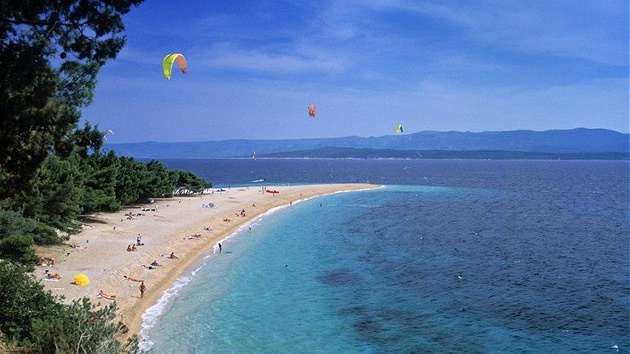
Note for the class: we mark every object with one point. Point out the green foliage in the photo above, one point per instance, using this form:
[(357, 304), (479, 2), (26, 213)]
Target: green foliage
[(21, 300), (16, 238), (55, 198), (12, 223), (46, 235), (51, 52), (34, 319), (80, 328), (19, 249), (100, 184), (187, 182), (128, 186), (163, 182)]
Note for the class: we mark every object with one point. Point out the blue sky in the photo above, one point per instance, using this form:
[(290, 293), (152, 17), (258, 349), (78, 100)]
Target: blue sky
[(368, 65)]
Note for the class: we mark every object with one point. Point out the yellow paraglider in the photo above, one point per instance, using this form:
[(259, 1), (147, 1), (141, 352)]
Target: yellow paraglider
[(81, 280), (311, 110), (399, 128), (167, 64)]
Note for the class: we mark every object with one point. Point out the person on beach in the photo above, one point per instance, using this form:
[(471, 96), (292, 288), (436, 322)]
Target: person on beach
[(47, 261), (53, 275), (220, 247), (173, 256), (102, 294), (133, 279), (142, 289)]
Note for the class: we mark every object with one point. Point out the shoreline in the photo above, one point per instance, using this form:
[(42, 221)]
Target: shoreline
[(187, 226)]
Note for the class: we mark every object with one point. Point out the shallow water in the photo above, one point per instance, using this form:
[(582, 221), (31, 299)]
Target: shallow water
[(451, 256)]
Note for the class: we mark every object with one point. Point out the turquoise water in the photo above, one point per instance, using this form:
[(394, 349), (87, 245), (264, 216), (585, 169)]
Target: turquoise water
[(513, 258)]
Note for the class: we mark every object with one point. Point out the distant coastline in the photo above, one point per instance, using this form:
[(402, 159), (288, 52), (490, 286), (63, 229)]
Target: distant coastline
[(338, 153), (571, 144)]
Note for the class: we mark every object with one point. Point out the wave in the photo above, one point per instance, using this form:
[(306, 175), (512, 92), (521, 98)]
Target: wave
[(153, 313)]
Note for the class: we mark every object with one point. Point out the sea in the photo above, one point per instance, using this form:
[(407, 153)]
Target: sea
[(449, 256)]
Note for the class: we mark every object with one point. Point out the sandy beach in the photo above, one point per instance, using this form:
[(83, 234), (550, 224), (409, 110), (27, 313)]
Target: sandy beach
[(189, 227)]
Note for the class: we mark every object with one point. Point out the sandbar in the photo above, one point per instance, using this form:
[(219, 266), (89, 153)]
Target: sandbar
[(190, 227)]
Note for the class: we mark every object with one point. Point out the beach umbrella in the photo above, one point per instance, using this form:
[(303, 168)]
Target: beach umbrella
[(81, 280)]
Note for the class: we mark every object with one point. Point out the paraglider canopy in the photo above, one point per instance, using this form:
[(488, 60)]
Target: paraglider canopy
[(311, 110), (167, 64), (399, 128), (81, 280)]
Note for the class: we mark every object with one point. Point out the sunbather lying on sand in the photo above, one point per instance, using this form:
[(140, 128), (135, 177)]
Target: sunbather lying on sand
[(53, 275), (102, 294), (46, 261), (133, 279), (170, 256)]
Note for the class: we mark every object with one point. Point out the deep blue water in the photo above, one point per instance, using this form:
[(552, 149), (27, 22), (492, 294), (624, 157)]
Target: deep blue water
[(451, 256)]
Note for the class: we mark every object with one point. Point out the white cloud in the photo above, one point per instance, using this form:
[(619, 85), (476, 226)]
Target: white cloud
[(289, 61)]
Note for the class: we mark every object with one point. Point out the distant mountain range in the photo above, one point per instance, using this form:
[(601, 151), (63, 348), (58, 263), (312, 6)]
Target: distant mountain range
[(579, 143), (350, 153)]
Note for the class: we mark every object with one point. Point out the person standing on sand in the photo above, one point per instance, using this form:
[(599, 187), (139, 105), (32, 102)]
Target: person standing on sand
[(142, 289), (220, 248)]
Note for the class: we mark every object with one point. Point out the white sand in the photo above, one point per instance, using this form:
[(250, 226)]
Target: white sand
[(100, 251)]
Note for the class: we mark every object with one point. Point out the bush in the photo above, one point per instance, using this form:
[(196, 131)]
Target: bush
[(35, 320), (80, 328), (21, 300), (18, 248)]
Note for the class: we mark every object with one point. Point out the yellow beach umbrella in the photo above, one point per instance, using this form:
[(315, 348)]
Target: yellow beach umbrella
[(81, 280)]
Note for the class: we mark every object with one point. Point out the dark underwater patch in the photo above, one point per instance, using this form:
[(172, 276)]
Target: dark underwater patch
[(338, 277)]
